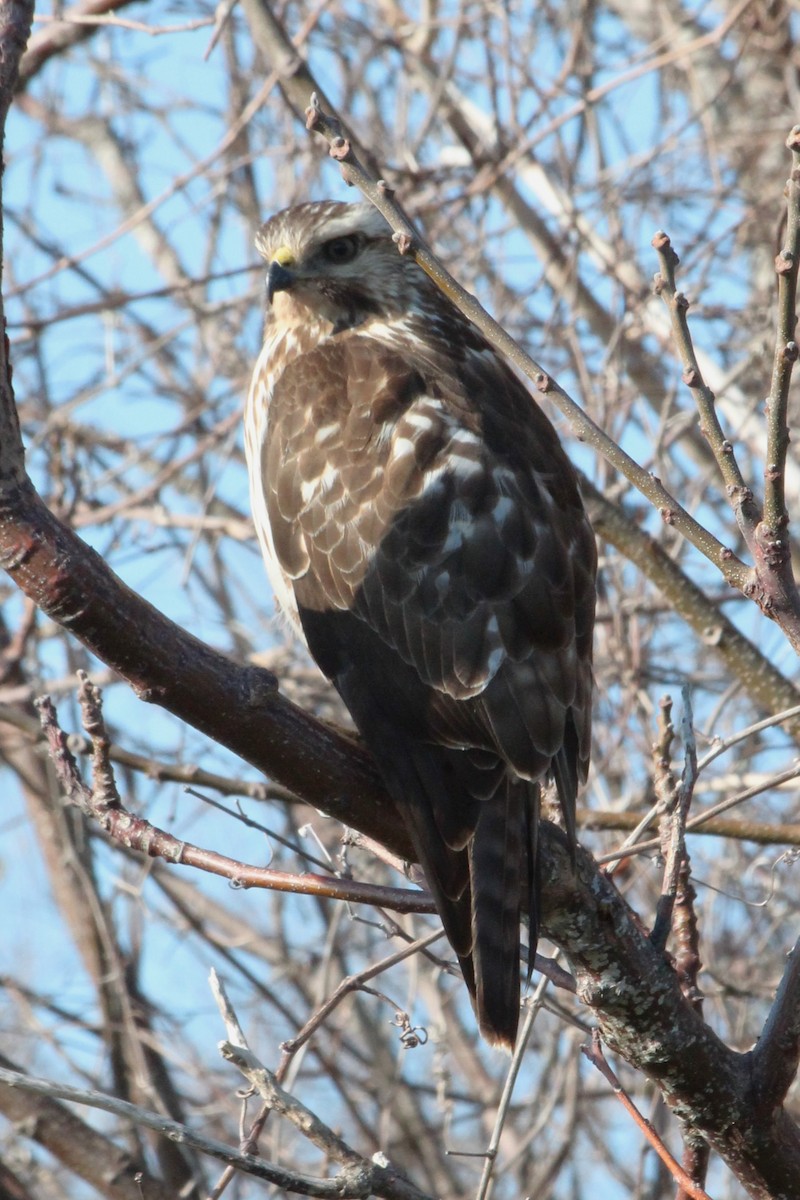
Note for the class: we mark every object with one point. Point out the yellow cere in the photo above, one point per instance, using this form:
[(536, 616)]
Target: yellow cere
[(283, 256)]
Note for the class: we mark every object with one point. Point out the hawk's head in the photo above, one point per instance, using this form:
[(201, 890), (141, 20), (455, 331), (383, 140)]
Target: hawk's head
[(336, 262)]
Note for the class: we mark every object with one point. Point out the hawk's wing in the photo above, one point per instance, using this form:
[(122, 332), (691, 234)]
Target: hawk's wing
[(454, 532), (432, 530)]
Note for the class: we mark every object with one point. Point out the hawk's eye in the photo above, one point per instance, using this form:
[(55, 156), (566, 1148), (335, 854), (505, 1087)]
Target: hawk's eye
[(341, 250)]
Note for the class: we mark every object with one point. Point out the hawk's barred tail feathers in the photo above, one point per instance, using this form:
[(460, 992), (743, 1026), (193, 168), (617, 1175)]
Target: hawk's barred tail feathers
[(478, 887), (497, 861)]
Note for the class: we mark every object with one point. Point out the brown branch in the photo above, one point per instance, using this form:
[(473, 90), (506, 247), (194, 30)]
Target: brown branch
[(295, 79), (764, 683), (777, 1053), (644, 1016), (61, 35), (353, 983), (696, 823), (759, 832), (593, 1051), (786, 267), (772, 584), (102, 804)]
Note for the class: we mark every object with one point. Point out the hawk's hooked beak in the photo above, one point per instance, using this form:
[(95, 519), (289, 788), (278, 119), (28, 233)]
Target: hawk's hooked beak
[(279, 277)]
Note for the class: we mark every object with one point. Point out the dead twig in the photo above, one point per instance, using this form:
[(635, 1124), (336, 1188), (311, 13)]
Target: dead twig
[(103, 805), (595, 1055), (675, 801)]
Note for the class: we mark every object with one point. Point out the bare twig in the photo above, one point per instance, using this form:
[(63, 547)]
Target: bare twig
[(786, 267), (378, 1177), (762, 833), (359, 1182), (677, 800), (740, 495), (355, 983), (764, 683), (533, 1007), (595, 1055), (135, 833), (696, 823), (772, 584)]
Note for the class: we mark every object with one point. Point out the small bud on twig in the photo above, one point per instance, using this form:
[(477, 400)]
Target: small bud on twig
[(784, 262)]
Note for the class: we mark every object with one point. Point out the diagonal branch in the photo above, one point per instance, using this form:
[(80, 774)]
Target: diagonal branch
[(777, 1053), (736, 573), (358, 1181)]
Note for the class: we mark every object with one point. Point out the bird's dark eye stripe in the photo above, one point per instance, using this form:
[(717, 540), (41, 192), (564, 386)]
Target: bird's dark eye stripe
[(342, 249)]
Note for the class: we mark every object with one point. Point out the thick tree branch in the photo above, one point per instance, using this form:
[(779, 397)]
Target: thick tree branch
[(777, 1054), (657, 1030)]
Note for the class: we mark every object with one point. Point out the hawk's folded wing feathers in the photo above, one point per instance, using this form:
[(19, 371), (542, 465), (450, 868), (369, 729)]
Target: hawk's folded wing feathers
[(458, 562)]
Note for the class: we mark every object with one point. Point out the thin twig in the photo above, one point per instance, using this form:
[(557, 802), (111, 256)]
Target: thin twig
[(768, 688), (595, 1055), (786, 351), (354, 983), (382, 1177), (135, 833), (533, 1007), (696, 822), (740, 495)]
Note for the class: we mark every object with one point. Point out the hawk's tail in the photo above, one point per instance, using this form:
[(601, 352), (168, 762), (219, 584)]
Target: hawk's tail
[(477, 885), (503, 859)]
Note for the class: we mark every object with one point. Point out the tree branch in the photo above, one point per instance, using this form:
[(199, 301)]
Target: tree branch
[(657, 1030), (777, 1053), (101, 803)]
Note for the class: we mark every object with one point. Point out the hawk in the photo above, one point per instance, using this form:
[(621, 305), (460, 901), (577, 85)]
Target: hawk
[(423, 530)]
